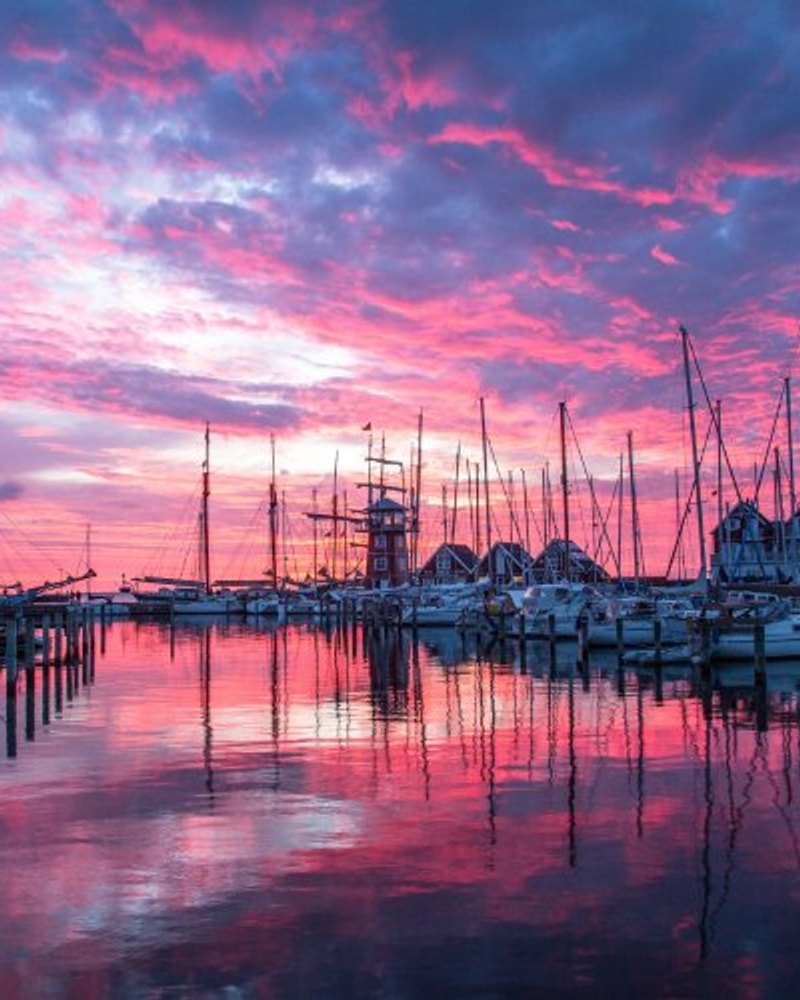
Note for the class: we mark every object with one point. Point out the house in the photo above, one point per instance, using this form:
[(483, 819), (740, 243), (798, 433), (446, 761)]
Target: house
[(557, 562), (748, 546), (450, 563), (506, 562)]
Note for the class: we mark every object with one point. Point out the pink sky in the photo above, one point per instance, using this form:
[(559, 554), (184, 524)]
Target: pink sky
[(296, 219)]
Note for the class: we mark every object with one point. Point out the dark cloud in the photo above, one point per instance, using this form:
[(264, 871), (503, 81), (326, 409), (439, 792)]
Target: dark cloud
[(10, 490)]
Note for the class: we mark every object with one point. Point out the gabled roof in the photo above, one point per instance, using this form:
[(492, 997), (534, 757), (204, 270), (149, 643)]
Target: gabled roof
[(743, 510), (552, 558), (462, 554), (513, 551)]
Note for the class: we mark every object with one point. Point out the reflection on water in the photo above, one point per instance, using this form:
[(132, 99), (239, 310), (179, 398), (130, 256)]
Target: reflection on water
[(291, 812)]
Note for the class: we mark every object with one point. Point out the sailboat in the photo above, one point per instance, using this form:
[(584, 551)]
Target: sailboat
[(196, 597)]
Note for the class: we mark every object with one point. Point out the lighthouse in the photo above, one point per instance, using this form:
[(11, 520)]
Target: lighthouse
[(387, 548)]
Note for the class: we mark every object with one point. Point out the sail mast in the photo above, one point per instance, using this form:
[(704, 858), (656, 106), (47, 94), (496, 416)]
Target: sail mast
[(273, 516), (792, 489), (562, 411), (634, 513), (417, 496), (205, 551), (454, 517), (488, 512), (695, 457)]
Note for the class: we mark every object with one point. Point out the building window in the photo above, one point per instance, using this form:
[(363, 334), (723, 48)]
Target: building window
[(380, 562), (380, 541)]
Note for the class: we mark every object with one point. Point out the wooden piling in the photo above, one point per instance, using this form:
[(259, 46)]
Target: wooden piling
[(760, 652), (12, 638)]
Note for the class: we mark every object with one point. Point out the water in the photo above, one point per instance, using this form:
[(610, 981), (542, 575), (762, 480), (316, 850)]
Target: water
[(240, 811)]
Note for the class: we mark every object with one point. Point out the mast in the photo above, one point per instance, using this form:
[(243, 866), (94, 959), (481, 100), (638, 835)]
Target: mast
[(620, 514), (695, 457), (416, 506), (314, 542), (455, 497), (88, 558), (488, 513), (336, 511), (527, 510), (476, 469), (562, 412), (273, 517), (634, 513), (792, 487), (722, 555), (681, 567), (205, 550)]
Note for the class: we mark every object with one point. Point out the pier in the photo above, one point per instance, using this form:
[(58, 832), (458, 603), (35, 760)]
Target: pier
[(58, 638)]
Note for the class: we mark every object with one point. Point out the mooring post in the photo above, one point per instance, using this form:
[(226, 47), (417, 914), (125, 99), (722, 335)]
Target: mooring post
[(583, 641), (760, 652), (45, 692), (45, 638), (58, 629), (657, 638), (12, 638), (30, 635), (620, 629), (30, 705), (11, 715)]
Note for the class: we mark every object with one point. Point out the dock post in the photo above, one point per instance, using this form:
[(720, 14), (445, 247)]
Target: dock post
[(30, 704), (45, 692), (45, 638), (11, 648), (583, 651), (11, 713), (620, 629), (760, 653), (657, 638), (58, 628), (30, 636)]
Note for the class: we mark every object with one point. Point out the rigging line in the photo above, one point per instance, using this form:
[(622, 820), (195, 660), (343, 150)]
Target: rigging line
[(506, 497), (688, 506), (768, 449), (713, 411), (595, 505)]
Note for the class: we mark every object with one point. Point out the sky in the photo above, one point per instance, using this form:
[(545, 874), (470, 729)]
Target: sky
[(293, 220)]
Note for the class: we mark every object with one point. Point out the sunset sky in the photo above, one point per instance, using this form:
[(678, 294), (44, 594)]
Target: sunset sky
[(295, 219)]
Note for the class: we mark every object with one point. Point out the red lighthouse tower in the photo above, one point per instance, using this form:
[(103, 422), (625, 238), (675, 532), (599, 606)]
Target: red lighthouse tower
[(387, 549)]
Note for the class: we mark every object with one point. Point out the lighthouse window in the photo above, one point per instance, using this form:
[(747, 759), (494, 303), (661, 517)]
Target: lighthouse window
[(380, 541), (380, 562)]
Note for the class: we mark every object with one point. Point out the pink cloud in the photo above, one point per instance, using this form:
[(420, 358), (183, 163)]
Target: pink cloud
[(667, 225), (24, 50), (663, 257), (423, 89), (698, 185)]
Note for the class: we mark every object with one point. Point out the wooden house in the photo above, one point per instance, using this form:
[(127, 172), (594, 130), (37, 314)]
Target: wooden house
[(557, 562), (748, 546), (505, 563), (450, 563)]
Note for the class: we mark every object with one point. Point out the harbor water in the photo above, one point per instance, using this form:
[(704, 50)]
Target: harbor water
[(235, 810)]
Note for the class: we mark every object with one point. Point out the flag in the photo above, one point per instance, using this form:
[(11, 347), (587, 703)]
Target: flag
[(367, 427)]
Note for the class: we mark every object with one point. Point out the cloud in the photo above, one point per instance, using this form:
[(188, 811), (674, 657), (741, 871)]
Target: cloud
[(10, 490)]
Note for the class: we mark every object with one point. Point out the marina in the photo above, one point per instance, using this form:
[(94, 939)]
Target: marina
[(294, 810)]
